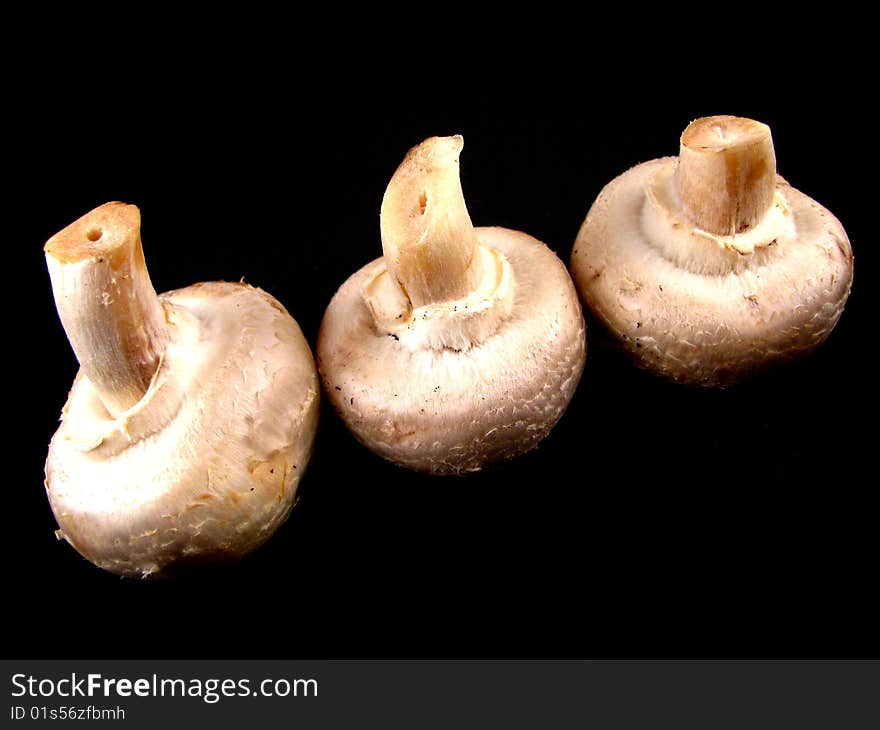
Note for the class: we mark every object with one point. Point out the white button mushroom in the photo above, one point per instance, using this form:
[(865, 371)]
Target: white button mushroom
[(710, 266), (192, 418), (459, 347)]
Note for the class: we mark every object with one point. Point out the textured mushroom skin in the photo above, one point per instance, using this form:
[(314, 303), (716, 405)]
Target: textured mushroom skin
[(448, 411), (207, 466), (704, 328)]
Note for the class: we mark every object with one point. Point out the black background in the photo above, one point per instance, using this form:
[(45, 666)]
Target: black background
[(654, 521)]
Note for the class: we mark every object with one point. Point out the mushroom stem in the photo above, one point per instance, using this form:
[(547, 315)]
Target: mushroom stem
[(107, 305), (428, 239), (726, 173)]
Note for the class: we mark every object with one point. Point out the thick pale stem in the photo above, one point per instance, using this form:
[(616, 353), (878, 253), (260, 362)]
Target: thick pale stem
[(110, 312), (427, 236), (726, 173)]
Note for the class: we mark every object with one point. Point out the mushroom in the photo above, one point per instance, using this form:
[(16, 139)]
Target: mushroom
[(193, 414), (709, 267), (461, 346)]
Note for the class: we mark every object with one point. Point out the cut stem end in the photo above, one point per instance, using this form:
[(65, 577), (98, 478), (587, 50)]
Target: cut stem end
[(428, 239), (726, 173), (107, 305)]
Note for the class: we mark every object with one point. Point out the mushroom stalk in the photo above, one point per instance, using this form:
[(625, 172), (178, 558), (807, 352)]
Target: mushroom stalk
[(428, 239), (107, 305), (726, 175)]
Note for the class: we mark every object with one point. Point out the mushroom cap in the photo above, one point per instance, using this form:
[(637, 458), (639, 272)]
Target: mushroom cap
[(444, 410), (734, 309), (206, 466)]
